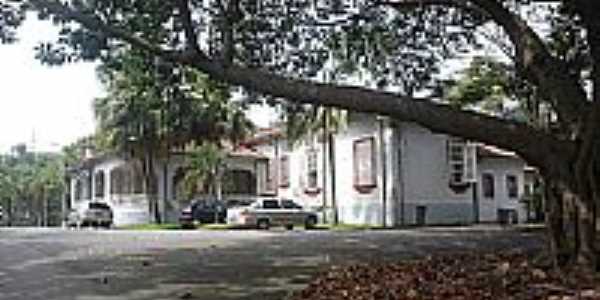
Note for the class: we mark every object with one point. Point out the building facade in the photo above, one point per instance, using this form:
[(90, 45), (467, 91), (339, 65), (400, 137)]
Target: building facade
[(385, 173), (370, 172)]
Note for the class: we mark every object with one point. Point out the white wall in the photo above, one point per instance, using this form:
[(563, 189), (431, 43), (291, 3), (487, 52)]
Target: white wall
[(356, 207), (425, 173), (127, 209), (500, 168), (417, 175)]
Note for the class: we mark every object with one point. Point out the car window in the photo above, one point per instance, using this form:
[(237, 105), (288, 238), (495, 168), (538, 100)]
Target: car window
[(96, 205), (271, 204), (290, 204), (238, 203)]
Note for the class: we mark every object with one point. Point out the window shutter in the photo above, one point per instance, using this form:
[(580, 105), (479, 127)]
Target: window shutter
[(470, 163), (456, 161)]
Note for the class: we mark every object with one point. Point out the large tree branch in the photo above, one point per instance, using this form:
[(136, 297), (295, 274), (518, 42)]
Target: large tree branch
[(188, 27), (538, 148), (532, 56)]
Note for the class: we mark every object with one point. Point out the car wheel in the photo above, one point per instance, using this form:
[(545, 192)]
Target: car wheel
[(263, 224), (289, 227), (310, 223)]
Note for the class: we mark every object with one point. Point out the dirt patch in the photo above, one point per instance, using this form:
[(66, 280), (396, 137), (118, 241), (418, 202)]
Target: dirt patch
[(459, 276)]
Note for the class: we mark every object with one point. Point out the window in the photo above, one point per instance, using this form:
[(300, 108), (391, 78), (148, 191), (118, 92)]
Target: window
[(487, 185), (97, 205), (271, 204), (271, 176), (116, 181), (512, 186), (284, 171), (239, 182), (127, 179), (99, 184), (461, 161), (528, 190), (265, 177), (78, 190), (364, 164), (179, 184), (290, 204), (311, 170)]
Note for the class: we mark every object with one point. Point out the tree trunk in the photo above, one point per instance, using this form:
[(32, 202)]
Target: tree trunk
[(9, 211), (571, 232), (555, 224), (586, 235), (149, 181)]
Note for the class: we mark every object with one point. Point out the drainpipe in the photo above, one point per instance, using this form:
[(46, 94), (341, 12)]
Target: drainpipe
[(475, 202), (276, 168), (324, 161), (331, 142), (383, 151), (401, 175)]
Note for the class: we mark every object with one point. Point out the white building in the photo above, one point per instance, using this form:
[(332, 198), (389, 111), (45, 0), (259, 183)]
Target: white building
[(119, 182), (384, 174), (394, 174)]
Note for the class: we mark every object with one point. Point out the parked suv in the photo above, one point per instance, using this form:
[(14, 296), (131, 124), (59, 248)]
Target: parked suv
[(265, 213), (202, 212), (94, 214)]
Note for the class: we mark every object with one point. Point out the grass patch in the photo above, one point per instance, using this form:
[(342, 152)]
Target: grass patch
[(215, 226), (346, 227), (168, 226)]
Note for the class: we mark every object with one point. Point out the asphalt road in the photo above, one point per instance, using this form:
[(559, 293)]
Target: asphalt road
[(89, 264)]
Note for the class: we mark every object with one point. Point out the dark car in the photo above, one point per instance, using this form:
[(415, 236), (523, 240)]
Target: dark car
[(202, 212)]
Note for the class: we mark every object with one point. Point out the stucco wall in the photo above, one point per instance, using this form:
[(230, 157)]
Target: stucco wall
[(420, 155), (425, 176), (357, 207), (500, 168)]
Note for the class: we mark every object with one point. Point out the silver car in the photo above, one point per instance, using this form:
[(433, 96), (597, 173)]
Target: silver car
[(93, 214), (265, 213)]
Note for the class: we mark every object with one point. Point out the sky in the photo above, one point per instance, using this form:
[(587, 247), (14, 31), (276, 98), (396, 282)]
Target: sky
[(49, 107), (44, 107)]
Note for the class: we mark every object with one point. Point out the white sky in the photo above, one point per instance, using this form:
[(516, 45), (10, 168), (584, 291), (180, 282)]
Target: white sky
[(52, 104)]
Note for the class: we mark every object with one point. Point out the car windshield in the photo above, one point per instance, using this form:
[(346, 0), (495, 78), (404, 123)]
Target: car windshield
[(239, 203), (96, 205)]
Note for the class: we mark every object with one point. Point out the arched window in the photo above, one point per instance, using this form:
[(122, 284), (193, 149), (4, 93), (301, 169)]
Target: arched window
[(99, 184), (179, 184), (127, 179), (116, 181), (136, 177), (78, 189), (239, 182)]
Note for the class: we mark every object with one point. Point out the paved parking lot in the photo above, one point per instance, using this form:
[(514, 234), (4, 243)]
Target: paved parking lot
[(114, 264)]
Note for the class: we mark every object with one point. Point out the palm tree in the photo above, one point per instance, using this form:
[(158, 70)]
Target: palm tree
[(150, 111)]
